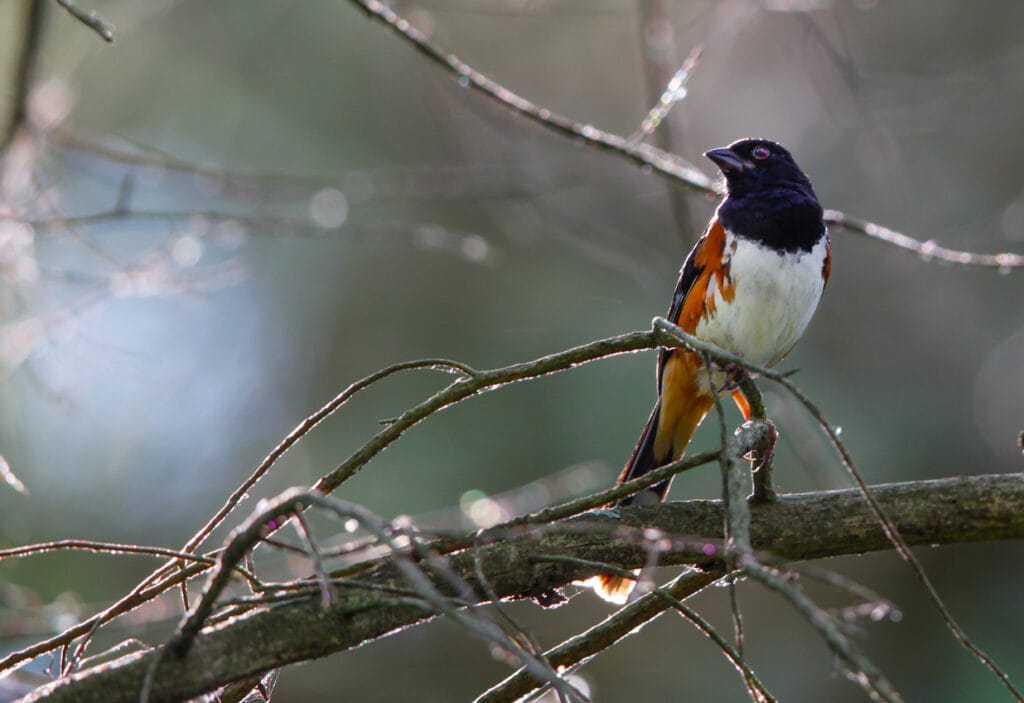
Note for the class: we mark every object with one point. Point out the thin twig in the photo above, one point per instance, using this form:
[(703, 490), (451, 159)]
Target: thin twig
[(928, 250), (641, 154), (104, 30), (758, 692), (8, 477), (293, 501), (313, 553), (522, 634), (664, 333), (740, 554), (864, 672), (665, 91), (880, 606), (307, 425), (114, 548), (600, 637), (897, 540), (478, 382), (388, 183), (645, 155), (675, 90), (736, 527)]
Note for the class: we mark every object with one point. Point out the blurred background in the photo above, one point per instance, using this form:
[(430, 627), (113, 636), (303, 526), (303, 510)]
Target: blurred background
[(212, 225)]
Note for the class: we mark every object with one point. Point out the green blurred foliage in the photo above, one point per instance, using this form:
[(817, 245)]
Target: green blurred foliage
[(473, 235)]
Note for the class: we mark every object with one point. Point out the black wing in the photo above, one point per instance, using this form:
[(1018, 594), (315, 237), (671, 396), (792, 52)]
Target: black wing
[(687, 276)]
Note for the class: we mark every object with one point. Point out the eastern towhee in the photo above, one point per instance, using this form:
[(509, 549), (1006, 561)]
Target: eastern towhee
[(750, 286)]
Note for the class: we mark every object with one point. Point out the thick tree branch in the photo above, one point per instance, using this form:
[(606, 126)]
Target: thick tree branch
[(797, 527)]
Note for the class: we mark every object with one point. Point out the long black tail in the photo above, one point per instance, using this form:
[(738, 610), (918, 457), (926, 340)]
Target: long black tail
[(642, 461), (617, 588)]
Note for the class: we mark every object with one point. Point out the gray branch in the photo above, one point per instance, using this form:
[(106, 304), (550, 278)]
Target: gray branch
[(797, 527)]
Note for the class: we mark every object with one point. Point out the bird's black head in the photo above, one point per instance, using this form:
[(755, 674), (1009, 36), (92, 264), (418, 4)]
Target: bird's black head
[(752, 165), (768, 197)]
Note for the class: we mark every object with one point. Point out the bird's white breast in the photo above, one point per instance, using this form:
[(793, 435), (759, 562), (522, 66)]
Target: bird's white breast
[(774, 297)]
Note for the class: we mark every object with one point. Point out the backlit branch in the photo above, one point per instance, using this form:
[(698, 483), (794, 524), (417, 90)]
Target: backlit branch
[(806, 526), (646, 155), (90, 20)]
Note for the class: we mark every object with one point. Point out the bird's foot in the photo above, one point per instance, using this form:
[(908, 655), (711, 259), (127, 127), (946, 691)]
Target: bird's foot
[(761, 469)]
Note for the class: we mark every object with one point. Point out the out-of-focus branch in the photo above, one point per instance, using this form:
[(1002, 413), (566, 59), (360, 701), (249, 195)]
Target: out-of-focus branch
[(8, 477), (104, 30), (379, 184), (648, 156), (642, 154), (23, 73), (805, 526), (666, 87)]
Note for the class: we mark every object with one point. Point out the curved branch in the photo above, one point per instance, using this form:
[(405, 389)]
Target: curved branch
[(797, 527), (167, 576)]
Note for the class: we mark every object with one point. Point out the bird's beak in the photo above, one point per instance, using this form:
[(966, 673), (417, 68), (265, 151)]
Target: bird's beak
[(727, 160)]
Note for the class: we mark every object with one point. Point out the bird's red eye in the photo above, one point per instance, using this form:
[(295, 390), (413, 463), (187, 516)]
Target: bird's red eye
[(761, 152)]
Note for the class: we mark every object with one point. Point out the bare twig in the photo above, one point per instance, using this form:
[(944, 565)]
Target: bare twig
[(675, 91), (475, 182), (664, 333), (890, 530), (645, 155), (307, 425), (880, 606), (313, 552), (898, 541), (665, 90), (641, 154), (600, 637), (104, 30), (864, 673), (927, 250), (736, 528), (758, 692), (8, 477), (292, 502), (476, 383), (740, 553), (114, 548)]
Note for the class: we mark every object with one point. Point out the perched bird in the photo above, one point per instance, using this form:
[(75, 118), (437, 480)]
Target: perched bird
[(750, 286)]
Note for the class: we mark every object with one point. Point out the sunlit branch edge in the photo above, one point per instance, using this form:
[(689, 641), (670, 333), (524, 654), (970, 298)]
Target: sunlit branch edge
[(805, 526), (647, 155)]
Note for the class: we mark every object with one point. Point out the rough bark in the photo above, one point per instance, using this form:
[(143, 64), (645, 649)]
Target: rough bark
[(797, 527)]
